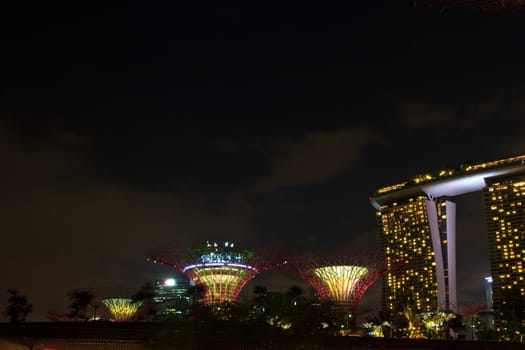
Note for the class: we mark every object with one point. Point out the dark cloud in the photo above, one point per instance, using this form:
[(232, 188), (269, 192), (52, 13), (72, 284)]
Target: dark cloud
[(506, 105), (68, 227), (315, 157), (36, 162), (514, 143), (423, 115)]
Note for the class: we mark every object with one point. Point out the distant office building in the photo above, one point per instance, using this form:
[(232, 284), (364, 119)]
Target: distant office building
[(488, 292), (417, 226), (172, 297)]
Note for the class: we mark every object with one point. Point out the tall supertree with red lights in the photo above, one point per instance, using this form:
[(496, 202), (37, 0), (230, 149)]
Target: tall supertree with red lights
[(340, 279), (480, 5), (222, 268)]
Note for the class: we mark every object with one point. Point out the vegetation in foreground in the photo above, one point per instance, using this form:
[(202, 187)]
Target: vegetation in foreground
[(289, 313)]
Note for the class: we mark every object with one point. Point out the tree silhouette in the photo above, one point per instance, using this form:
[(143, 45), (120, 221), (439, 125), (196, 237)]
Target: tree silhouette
[(293, 294), (198, 310), (81, 301), (196, 293), (260, 291), (259, 304), (146, 296), (18, 307)]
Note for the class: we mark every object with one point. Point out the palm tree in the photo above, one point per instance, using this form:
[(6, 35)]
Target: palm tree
[(18, 307)]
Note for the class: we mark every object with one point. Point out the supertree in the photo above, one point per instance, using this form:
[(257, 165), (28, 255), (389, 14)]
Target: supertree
[(480, 5), (122, 309), (340, 279), (222, 268)]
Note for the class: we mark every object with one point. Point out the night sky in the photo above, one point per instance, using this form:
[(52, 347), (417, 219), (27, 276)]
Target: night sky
[(129, 128)]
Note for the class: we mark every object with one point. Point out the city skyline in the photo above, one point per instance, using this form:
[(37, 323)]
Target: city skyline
[(126, 128)]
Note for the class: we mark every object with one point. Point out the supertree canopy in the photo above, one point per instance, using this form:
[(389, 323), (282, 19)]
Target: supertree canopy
[(221, 268), (482, 5), (121, 309), (341, 279)]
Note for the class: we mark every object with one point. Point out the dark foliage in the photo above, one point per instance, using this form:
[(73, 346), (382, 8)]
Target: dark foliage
[(18, 307)]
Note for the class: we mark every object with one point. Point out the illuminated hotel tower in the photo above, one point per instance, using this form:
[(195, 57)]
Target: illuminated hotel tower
[(505, 209), (417, 226), (421, 233)]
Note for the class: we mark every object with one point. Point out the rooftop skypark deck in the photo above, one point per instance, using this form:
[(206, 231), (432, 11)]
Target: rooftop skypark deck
[(451, 181)]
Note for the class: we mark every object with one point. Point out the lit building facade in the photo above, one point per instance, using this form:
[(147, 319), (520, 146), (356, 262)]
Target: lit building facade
[(505, 214), (417, 226), (172, 296), (488, 292), (418, 233)]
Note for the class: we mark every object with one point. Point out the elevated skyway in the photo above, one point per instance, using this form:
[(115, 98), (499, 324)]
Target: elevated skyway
[(449, 182)]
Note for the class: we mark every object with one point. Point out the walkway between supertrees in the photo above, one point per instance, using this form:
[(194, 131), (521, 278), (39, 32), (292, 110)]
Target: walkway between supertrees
[(222, 268), (339, 278)]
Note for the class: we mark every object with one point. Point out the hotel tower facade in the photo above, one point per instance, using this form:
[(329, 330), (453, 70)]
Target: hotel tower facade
[(417, 226)]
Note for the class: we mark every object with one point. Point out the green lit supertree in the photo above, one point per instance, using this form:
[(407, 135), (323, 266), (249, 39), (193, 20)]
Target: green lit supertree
[(222, 268), (122, 309)]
